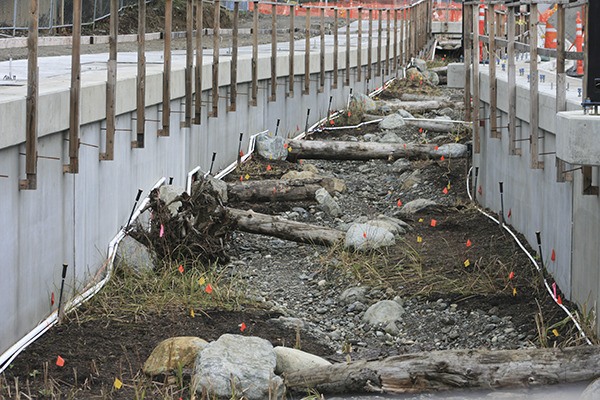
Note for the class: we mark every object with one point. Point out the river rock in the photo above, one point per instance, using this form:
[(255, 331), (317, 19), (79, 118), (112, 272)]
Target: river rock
[(432, 77), (414, 75), (392, 122), (327, 203), (354, 294), (420, 64), (368, 237), (236, 366), (271, 148), (416, 205), (401, 165), (134, 255), (290, 360), (391, 137), (172, 354), (383, 313)]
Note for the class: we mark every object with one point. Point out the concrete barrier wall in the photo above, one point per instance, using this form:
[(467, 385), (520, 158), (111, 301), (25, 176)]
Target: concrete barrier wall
[(71, 218), (567, 220)]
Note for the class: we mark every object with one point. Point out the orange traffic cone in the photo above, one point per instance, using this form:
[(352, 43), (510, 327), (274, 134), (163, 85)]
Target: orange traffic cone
[(550, 37), (579, 42)]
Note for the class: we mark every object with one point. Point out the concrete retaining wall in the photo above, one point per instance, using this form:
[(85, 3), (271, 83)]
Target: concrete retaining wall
[(71, 218), (568, 220)]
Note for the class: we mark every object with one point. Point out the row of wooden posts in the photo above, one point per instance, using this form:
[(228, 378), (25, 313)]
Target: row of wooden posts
[(518, 35), (413, 21)]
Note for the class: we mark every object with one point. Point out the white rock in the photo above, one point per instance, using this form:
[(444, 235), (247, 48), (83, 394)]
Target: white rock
[(236, 366), (364, 102), (368, 237), (289, 360)]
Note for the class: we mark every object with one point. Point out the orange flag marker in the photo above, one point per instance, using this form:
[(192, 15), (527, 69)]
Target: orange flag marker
[(469, 244), (365, 235), (553, 256), (242, 327), (52, 299), (433, 223), (208, 289), (511, 275), (509, 212), (60, 361), (181, 269), (442, 158), (445, 191), (436, 148), (559, 300), (269, 167), (399, 203)]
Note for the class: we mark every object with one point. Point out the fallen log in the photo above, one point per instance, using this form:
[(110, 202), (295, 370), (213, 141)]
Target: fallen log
[(453, 369), (278, 190), (421, 107), (253, 222), (339, 150)]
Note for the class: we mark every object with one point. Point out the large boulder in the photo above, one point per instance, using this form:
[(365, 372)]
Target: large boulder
[(452, 150), (414, 75), (363, 103), (134, 255), (394, 225), (327, 203), (236, 366), (368, 237), (392, 122), (271, 148), (290, 360), (432, 77), (172, 354), (592, 391), (169, 194), (417, 205), (383, 313)]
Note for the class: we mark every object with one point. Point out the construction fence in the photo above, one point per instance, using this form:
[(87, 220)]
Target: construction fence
[(14, 14)]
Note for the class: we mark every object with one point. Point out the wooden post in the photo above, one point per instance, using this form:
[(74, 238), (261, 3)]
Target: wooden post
[(199, 62), (322, 54), (395, 64), (31, 121), (141, 78), (189, 62), (379, 41), (111, 82), (335, 48), (370, 46), (347, 81), (234, 58), (254, 99), (402, 50), (512, 83), (387, 41), (561, 77), (359, 47), (215, 66), (166, 101), (476, 103), (292, 51), (73, 166), (561, 85), (468, 59), (273, 53), (493, 84), (534, 91), (307, 52)]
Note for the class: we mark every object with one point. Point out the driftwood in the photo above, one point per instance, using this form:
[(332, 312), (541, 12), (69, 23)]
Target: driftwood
[(421, 107), (453, 369), (338, 150), (253, 222), (278, 190)]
